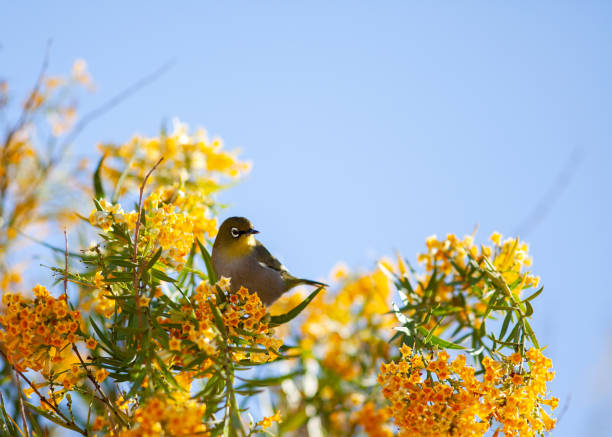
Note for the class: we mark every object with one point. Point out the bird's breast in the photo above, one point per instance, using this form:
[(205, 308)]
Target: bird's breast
[(248, 272)]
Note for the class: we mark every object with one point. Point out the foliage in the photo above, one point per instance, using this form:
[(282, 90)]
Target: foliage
[(139, 338)]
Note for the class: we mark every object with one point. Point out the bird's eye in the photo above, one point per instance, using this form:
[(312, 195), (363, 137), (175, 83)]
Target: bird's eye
[(235, 233)]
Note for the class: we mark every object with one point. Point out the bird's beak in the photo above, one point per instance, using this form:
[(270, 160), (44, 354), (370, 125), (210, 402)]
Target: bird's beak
[(253, 231)]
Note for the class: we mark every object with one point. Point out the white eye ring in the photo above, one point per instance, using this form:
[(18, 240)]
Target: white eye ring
[(235, 233)]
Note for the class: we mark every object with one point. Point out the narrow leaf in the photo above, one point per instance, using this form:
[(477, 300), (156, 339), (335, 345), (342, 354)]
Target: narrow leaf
[(97, 181), (437, 340), (212, 277), (534, 295), (284, 318)]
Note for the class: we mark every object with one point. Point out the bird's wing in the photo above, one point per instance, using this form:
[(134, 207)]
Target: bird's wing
[(266, 259)]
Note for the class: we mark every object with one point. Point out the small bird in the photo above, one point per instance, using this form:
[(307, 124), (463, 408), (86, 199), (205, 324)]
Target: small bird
[(238, 255)]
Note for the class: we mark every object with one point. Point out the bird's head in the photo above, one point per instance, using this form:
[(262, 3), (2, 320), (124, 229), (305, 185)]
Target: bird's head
[(235, 236)]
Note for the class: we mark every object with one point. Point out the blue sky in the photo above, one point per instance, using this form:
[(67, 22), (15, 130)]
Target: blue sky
[(372, 126)]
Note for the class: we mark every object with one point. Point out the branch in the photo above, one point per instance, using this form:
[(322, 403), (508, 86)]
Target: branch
[(22, 409), (135, 255), (69, 423), (544, 205), (21, 121), (137, 230), (66, 267), (24, 113), (103, 397), (111, 103)]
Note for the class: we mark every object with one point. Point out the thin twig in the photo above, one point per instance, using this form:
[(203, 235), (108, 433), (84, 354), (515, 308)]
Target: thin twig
[(104, 398), (135, 255), (66, 266), (545, 203), (68, 422), (137, 230), (20, 123), (111, 103), (22, 408), (26, 106)]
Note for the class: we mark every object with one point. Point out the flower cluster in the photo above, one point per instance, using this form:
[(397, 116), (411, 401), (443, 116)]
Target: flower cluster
[(374, 421), (267, 422), (33, 331), (450, 256), (242, 314), (29, 154), (338, 328), (167, 227), (196, 332), (50, 95), (163, 416), (193, 161), (436, 397), (459, 276), (343, 337)]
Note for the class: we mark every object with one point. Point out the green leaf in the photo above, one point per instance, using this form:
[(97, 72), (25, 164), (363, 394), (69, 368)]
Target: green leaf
[(263, 382), (477, 351), (284, 318), (513, 333), (437, 340), (104, 342), (405, 282), (164, 370), (293, 422), (212, 277), (8, 420), (152, 260), (218, 318), (120, 182), (119, 277), (534, 295), (497, 297), (158, 274), (249, 391), (210, 387), (529, 308), (505, 324), (136, 384), (97, 181), (530, 333), (97, 204)]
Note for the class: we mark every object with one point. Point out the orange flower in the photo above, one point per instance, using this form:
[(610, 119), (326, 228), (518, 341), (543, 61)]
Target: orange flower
[(101, 374)]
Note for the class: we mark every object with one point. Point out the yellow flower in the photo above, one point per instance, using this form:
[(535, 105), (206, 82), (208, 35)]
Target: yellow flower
[(99, 280), (98, 424), (405, 350), (516, 358), (101, 374), (267, 422)]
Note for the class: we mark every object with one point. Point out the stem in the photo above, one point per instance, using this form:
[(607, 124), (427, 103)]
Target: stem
[(68, 423), (135, 254), (108, 105), (66, 266), (22, 120), (103, 397), (22, 408), (137, 230)]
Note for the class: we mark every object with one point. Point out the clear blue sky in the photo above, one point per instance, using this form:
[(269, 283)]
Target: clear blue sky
[(372, 126)]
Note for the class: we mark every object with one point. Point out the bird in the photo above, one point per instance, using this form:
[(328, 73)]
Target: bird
[(237, 255)]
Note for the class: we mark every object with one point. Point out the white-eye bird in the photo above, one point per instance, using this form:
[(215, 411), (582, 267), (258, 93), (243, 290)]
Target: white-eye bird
[(238, 255)]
